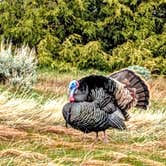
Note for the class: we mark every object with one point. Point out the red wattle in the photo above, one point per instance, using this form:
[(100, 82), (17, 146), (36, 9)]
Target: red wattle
[(71, 99)]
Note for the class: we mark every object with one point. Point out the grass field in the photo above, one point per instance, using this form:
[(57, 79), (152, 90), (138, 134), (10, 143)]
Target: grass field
[(32, 130)]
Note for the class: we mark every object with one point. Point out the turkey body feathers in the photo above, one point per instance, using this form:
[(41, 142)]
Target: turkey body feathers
[(89, 117), (97, 81), (94, 83), (103, 86)]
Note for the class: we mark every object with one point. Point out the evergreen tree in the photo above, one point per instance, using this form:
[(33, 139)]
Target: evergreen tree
[(100, 34)]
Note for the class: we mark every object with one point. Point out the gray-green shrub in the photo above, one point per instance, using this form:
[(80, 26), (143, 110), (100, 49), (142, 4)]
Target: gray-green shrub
[(18, 65)]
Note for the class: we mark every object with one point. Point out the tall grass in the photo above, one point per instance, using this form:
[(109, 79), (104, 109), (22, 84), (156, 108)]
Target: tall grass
[(28, 112)]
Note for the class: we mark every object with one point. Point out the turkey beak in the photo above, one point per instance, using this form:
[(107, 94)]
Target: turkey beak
[(71, 97)]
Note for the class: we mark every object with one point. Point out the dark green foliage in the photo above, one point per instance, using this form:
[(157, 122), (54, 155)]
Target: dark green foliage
[(97, 34)]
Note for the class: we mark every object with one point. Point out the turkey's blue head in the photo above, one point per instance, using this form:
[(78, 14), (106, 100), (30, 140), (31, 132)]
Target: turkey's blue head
[(73, 86)]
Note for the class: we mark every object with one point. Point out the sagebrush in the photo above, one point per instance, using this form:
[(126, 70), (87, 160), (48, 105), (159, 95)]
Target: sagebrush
[(18, 65)]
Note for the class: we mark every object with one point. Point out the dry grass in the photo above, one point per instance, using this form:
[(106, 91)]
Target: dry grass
[(158, 89), (33, 133), (26, 113)]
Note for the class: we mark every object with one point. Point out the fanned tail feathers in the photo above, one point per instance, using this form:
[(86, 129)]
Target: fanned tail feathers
[(132, 80)]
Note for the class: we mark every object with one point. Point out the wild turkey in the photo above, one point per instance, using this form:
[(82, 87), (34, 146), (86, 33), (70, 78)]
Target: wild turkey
[(94, 116), (128, 89), (115, 94)]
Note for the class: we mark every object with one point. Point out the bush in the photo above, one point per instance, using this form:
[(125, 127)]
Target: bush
[(92, 57), (18, 66), (103, 35), (48, 50)]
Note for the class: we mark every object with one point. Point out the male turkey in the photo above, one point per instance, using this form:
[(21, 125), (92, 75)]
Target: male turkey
[(115, 95), (94, 116), (128, 89)]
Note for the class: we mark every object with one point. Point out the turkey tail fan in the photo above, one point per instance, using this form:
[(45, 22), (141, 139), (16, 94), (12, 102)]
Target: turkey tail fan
[(133, 80)]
